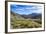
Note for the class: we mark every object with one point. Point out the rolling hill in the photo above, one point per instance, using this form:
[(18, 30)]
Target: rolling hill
[(25, 21)]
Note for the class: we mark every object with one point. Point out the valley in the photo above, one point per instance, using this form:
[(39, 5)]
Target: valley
[(25, 21)]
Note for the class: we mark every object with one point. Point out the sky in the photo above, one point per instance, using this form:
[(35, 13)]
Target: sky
[(25, 9)]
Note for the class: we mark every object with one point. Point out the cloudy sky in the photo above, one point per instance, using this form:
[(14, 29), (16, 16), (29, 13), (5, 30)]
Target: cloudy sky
[(25, 9)]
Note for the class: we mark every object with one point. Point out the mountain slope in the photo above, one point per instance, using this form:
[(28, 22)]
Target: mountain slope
[(22, 21), (16, 16), (32, 16)]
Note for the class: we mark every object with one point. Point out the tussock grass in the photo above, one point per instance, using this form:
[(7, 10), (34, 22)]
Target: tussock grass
[(25, 24)]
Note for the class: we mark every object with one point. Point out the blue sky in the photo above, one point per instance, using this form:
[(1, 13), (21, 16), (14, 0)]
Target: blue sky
[(25, 9)]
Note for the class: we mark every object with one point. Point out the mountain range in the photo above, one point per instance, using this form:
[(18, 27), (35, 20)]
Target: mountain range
[(30, 16)]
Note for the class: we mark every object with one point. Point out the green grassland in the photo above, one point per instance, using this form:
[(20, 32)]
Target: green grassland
[(18, 22), (26, 23)]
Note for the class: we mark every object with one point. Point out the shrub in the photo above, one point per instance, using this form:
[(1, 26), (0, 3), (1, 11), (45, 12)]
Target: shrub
[(39, 21), (25, 24)]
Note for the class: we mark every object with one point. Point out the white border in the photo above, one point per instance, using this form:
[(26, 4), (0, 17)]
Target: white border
[(29, 29)]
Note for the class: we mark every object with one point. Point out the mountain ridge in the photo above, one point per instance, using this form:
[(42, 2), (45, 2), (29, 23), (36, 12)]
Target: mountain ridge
[(31, 16)]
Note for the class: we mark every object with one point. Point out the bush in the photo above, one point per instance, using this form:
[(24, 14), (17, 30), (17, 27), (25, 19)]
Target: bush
[(25, 24), (39, 21)]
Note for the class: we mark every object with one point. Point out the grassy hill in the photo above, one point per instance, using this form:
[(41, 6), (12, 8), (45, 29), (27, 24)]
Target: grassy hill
[(19, 21)]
